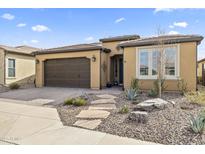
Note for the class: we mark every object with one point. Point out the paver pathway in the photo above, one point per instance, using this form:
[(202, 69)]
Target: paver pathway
[(97, 110), (27, 124)]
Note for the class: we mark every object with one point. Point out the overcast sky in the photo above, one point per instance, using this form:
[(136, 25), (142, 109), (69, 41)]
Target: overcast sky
[(46, 28)]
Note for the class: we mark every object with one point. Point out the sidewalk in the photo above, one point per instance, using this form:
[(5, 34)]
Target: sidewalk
[(26, 124)]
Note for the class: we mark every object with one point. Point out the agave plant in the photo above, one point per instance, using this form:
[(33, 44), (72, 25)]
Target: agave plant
[(197, 124), (131, 94)]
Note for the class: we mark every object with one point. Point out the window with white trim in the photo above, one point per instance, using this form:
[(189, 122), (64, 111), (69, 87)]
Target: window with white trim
[(144, 63), (149, 60), (11, 67), (170, 61)]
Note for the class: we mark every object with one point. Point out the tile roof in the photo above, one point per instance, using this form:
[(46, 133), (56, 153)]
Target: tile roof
[(73, 48), (19, 49), (120, 38), (201, 60), (166, 39)]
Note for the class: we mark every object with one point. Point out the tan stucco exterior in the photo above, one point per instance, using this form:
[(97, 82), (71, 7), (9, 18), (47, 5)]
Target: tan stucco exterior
[(101, 69), (25, 67), (199, 68), (187, 67), (2, 74), (94, 66)]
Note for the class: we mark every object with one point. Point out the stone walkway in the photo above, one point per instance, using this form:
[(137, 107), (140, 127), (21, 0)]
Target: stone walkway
[(98, 110)]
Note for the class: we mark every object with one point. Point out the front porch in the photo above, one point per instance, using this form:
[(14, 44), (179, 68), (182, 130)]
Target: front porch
[(116, 70)]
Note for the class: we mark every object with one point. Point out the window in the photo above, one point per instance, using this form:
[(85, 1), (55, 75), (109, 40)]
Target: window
[(148, 63), (170, 61), (155, 57), (11, 68), (144, 59)]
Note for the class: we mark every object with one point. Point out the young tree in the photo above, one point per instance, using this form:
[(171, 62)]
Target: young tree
[(161, 60)]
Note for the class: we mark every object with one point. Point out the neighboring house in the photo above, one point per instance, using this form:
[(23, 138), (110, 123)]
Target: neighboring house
[(119, 60), (17, 64), (201, 71)]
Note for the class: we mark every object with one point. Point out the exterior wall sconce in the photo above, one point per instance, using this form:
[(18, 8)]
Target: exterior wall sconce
[(93, 58), (37, 61)]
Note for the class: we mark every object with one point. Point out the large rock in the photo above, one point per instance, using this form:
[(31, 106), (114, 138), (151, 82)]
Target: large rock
[(151, 104), (139, 116)]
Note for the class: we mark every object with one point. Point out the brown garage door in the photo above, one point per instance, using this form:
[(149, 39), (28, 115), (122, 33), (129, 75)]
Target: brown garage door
[(71, 72)]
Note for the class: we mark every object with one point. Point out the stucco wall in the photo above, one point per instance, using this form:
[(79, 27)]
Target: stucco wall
[(25, 67), (199, 69), (1, 66), (104, 69), (95, 66), (187, 66)]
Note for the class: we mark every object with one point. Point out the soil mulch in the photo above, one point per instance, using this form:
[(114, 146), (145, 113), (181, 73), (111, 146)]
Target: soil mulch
[(168, 126)]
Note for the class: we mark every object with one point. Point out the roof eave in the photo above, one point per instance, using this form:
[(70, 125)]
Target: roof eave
[(67, 51), (133, 44)]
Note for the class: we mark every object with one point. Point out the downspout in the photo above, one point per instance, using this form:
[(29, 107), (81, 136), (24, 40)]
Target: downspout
[(123, 87), (196, 65)]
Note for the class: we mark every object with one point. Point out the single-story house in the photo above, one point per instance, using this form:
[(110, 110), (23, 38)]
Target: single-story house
[(17, 64), (201, 71), (119, 60)]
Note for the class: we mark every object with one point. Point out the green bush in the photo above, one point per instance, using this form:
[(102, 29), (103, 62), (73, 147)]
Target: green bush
[(69, 101), (197, 124), (79, 102), (131, 94), (156, 85), (199, 79), (196, 97), (14, 86), (152, 93), (124, 109), (182, 86), (135, 84)]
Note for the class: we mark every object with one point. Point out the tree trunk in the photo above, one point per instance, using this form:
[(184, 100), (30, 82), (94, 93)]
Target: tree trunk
[(160, 88)]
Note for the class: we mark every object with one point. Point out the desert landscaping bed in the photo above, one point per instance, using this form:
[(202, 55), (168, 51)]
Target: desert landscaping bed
[(168, 126)]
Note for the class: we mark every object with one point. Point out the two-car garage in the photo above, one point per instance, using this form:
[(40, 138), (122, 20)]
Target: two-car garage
[(77, 66), (67, 72)]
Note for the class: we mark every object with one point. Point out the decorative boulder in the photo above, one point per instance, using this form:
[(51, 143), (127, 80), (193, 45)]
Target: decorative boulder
[(138, 116), (151, 104)]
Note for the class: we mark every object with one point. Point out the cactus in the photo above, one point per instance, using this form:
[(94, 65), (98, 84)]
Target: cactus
[(131, 94), (197, 124)]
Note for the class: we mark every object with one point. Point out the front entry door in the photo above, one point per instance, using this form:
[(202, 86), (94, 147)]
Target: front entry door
[(121, 70)]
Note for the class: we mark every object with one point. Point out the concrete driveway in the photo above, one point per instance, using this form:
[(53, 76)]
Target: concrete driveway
[(49, 95), (27, 124)]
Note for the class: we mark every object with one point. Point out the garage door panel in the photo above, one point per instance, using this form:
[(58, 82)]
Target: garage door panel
[(71, 72)]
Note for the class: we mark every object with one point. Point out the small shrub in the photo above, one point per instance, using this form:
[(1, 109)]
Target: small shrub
[(199, 80), (156, 85), (197, 124), (182, 86), (131, 94), (135, 84), (69, 101), (196, 97), (14, 86), (152, 93), (124, 109), (79, 102)]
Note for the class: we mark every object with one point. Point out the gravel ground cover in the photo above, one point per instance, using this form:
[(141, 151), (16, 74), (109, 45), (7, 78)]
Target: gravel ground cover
[(68, 113), (168, 126)]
